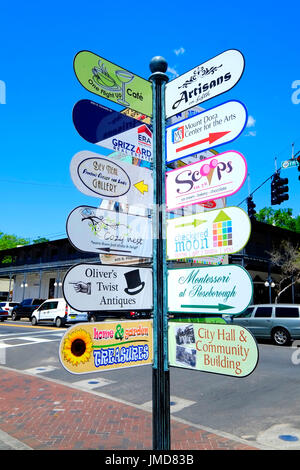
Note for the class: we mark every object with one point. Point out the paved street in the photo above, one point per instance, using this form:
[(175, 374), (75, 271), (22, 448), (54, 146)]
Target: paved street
[(43, 406)]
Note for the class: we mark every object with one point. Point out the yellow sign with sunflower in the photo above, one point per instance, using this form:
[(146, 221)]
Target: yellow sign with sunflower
[(107, 345)]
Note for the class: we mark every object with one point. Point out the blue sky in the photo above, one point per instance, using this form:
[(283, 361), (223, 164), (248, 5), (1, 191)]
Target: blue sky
[(39, 42)]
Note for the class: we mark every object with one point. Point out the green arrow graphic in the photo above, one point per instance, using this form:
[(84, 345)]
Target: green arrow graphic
[(195, 223), (220, 307)]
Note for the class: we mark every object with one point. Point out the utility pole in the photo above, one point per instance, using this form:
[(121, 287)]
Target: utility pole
[(160, 375)]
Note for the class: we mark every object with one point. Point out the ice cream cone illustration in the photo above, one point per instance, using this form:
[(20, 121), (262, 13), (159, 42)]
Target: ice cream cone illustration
[(208, 170)]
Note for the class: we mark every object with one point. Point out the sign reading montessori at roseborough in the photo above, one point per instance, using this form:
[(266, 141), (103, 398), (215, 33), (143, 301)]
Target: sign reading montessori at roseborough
[(216, 232), (103, 346), (212, 178), (209, 289), (210, 79), (220, 349), (88, 287)]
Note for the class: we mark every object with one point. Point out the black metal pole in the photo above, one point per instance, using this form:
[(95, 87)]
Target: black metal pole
[(160, 374)]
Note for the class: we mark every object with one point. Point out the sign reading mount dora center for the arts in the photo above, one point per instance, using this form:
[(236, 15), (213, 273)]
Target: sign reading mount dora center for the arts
[(210, 79), (210, 290)]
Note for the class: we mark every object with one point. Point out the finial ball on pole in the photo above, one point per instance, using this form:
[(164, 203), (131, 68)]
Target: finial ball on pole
[(158, 64)]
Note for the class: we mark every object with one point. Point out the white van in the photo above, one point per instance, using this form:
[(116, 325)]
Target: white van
[(58, 312)]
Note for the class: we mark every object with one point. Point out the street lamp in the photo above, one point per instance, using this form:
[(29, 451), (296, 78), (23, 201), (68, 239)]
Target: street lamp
[(270, 283)]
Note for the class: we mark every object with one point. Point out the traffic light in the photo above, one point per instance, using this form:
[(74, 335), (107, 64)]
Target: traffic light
[(279, 189), (298, 160), (251, 207)]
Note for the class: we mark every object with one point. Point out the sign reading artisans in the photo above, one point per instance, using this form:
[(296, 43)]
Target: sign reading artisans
[(221, 349), (209, 289)]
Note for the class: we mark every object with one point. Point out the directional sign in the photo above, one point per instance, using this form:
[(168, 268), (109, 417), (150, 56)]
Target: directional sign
[(98, 176), (88, 287), (212, 178), (96, 230), (96, 347), (210, 79), (112, 82), (112, 130), (209, 289), (211, 128), (220, 349), (217, 232)]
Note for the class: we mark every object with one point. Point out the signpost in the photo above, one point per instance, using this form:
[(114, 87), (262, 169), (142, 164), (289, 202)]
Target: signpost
[(289, 163), (220, 349), (211, 128), (212, 178), (210, 79), (112, 130), (206, 290), (98, 176), (96, 230), (88, 287), (112, 82), (209, 290), (96, 347), (217, 232)]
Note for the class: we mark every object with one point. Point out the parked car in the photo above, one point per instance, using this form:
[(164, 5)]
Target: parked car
[(278, 322), (25, 308), (3, 314), (58, 312), (102, 315), (8, 306)]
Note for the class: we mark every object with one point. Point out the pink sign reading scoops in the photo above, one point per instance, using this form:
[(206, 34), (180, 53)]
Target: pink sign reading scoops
[(215, 177)]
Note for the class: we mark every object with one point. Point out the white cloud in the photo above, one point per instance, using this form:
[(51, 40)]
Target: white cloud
[(250, 134), (179, 51), (251, 121), (173, 72)]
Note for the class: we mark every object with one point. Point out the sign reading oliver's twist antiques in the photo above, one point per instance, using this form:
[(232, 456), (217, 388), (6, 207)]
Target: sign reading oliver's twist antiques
[(209, 290), (96, 230), (88, 287), (103, 346), (220, 349)]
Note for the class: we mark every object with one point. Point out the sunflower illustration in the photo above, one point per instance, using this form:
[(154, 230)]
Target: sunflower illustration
[(77, 347)]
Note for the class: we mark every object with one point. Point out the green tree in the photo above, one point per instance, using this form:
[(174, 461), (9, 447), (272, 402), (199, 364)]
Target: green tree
[(280, 218), (11, 241)]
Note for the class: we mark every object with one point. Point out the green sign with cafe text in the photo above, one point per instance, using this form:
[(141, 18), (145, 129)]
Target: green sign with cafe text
[(112, 82)]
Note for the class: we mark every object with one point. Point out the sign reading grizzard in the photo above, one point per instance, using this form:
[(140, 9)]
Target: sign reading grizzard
[(210, 79), (88, 287)]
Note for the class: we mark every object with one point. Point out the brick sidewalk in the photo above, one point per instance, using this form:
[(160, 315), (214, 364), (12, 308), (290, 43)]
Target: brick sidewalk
[(46, 415)]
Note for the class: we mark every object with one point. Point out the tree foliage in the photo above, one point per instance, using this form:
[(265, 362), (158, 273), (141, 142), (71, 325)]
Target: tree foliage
[(282, 218)]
